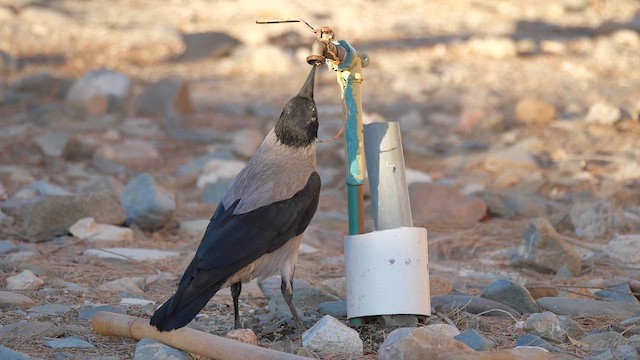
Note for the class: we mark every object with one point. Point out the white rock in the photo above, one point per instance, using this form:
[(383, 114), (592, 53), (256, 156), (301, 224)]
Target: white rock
[(444, 329), (132, 254), (217, 169), (195, 228), (307, 249), (26, 280), (625, 248), (87, 228), (52, 144), (127, 284), (414, 176), (330, 336), (246, 142), (626, 37), (603, 113), (135, 302)]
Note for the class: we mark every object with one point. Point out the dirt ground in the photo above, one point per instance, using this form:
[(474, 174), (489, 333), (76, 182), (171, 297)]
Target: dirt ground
[(426, 57)]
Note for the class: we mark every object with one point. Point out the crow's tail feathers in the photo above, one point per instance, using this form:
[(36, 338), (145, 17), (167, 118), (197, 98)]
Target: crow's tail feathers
[(195, 290), (167, 319)]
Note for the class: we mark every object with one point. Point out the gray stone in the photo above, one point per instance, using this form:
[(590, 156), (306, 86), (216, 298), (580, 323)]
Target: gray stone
[(330, 336), (474, 340), (8, 62), (545, 250), (131, 254), (603, 341), (52, 113), (7, 247), (138, 155), (213, 192), (107, 184), (550, 325), (141, 127), (471, 304), (73, 287), (629, 327), (10, 300), (41, 188), (148, 205), (620, 352), (514, 203), (399, 320), (20, 256), (533, 340), (594, 218), (271, 286), (150, 349), (43, 218), (620, 292), (88, 313), (21, 330), (8, 354), (625, 248), (334, 308), (42, 84), (418, 343), (52, 144), (156, 97), (512, 294), (51, 309), (586, 307), (604, 113), (68, 343), (207, 45)]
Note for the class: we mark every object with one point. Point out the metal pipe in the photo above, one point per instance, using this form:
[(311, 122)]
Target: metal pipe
[(387, 178), (350, 79)]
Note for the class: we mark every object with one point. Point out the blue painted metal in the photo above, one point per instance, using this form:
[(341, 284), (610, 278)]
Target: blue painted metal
[(349, 78)]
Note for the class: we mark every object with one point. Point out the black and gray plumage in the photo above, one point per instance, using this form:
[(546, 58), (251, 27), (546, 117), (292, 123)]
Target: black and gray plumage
[(257, 228)]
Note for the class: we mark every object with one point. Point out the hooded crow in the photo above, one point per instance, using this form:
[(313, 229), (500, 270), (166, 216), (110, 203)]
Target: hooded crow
[(257, 228)]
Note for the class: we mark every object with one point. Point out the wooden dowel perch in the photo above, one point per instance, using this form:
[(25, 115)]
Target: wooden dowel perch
[(186, 339)]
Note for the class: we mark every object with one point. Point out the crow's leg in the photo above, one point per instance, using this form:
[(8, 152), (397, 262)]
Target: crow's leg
[(235, 293), (287, 293)]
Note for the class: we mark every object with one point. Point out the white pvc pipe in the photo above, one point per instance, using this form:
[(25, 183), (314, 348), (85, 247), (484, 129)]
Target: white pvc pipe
[(387, 273)]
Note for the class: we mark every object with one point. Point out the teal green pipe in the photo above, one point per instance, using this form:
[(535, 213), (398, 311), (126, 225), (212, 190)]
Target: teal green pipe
[(353, 135), (353, 195)]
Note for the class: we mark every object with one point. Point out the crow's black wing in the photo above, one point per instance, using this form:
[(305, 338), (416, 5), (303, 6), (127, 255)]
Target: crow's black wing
[(231, 242)]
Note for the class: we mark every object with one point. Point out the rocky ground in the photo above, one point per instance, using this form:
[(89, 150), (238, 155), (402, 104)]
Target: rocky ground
[(122, 122)]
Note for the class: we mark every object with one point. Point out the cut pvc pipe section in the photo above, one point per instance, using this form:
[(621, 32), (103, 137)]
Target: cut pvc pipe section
[(387, 273), (387, 179)]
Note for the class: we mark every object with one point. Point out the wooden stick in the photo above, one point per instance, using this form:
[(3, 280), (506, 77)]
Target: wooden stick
[(186, 339)]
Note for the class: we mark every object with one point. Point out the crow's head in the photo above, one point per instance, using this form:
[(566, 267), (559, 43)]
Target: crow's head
[(298, 123)]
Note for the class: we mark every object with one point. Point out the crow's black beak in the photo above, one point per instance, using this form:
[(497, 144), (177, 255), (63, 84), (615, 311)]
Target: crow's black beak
[(307, 88)]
